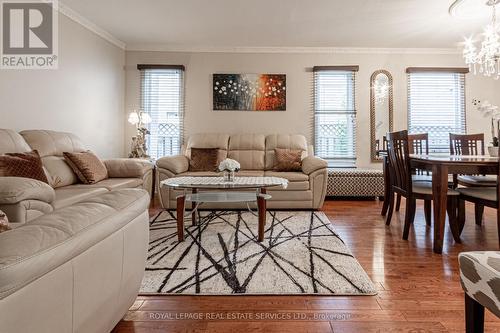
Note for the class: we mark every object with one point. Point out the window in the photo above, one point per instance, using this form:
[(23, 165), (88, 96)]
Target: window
[(436, 104), (335, 114), (162, 97)]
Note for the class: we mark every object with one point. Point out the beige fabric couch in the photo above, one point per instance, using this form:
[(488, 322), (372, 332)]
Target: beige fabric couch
[(24, 199), (77, 269), (255, 153)]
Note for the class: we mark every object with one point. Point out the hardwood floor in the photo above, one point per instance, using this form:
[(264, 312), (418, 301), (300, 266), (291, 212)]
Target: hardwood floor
[(419, 291)]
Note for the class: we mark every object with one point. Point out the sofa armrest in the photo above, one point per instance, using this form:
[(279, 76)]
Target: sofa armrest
[(312, 163), (175, 164), (16, 189), (127, 167)]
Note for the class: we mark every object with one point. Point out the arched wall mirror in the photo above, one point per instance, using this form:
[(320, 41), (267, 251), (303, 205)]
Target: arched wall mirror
[(381, 112)]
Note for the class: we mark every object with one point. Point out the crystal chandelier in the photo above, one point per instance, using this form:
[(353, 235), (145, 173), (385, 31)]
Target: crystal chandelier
[(486, 60)]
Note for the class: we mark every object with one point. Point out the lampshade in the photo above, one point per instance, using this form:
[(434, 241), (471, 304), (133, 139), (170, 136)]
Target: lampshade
[(133, 118)]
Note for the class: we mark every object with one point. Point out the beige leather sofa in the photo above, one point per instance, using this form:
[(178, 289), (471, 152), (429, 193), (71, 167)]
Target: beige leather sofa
[(255, 153), (77, 269), (25, 199)]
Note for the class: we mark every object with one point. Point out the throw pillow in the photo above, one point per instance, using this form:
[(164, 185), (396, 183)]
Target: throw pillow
[(88, 167), (27, 165), (4, 222), (204, 159), (288, 159)]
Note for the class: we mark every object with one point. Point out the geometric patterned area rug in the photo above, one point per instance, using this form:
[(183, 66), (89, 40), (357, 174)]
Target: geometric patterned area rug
[(301, 254)]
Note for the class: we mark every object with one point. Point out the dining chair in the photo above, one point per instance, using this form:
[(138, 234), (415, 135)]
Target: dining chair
[(470, 144), (484, 196), (403, 184), (418, 144)]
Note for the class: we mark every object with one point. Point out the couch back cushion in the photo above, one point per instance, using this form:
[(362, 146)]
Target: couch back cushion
[(59, 172), (283, 141), (52, 143), (208, 140), (249, 150), (12, 142)]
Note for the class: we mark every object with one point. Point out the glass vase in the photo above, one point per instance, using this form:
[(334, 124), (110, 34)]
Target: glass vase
[(229, 176)]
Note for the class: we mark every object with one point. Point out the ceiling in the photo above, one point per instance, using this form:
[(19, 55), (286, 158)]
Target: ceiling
[(178, 24)]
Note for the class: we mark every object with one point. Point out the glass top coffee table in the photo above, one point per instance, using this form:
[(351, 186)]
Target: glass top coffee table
[(225, 192)]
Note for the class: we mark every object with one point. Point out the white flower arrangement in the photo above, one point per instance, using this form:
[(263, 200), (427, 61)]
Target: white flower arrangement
[(229, 165)]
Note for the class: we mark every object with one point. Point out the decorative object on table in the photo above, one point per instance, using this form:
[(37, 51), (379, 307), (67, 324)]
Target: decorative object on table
[(229, 167), (486, 58), (301, 254), (249, 92), (138, 147), (489, 110), (4, 222)]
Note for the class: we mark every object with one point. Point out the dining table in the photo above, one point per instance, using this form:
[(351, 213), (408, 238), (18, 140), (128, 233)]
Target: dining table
[(441, 166)]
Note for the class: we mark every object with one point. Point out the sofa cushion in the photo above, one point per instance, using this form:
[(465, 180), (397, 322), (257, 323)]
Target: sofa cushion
[(12, 142), (69, 195), (219, 141), (25, 165), (60, 173), (291, 176), (284, 142), (288, 160), (36, 248), (112, 184), (204, 159), (87, 166), (248, 150), (52, 143)]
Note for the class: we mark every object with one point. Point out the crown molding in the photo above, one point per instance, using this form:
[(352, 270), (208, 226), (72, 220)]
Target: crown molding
[(330, 50), (76, 17)]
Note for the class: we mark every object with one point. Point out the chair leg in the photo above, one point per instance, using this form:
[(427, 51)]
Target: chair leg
[(390, 209), (461, 214), (453, 218), (398, 202), (474, 316), (411, 207), (479, 210), (428, 212)]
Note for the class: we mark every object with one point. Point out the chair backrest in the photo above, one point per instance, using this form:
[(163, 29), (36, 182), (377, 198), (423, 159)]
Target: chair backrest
[(399, 160), (467, 144), (418, 143)]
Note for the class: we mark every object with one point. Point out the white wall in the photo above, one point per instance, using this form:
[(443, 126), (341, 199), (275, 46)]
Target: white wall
[(297, 119), (84, 96)]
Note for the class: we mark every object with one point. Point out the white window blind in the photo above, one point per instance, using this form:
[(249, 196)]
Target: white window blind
[(335, 115), (162, 97), (436, 105)]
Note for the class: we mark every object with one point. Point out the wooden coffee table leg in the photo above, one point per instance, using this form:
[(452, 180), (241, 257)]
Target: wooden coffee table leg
[(261, 204), (181, 201), (193, 206)]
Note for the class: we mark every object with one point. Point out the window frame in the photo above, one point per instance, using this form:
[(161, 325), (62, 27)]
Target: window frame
[(176, 141), (460, 104), (337, 161)]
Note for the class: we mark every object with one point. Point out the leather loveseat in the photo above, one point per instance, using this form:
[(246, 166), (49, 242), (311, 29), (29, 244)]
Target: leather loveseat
[(24, 199), (255, 153)]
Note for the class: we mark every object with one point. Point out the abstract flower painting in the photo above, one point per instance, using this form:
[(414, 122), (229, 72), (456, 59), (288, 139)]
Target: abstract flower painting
[(249, 92)]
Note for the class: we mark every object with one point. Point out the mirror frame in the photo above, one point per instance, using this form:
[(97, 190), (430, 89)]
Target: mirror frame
[(373, 138)]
